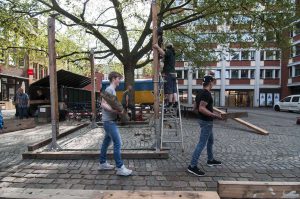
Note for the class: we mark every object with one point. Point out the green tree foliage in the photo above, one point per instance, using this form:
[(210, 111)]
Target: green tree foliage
[(122, 28)]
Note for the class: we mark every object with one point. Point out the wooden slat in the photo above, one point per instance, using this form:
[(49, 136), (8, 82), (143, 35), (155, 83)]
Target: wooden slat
[(234, 115), (107, 194), (39, 102), (256, 129), (75, 155), (47, 141), (254, 189)]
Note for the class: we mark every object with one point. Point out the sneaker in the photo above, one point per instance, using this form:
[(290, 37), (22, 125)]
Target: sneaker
[(123, 171), (195, 171), (106, 166), (213, 162)]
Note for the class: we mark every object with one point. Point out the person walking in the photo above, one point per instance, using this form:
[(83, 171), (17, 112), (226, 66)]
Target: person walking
[(23, 104), (127, 101), (109, 117), (204, 107)]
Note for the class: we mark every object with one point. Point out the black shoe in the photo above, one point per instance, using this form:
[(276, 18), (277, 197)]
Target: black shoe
[(213, 162), (175, 105), (195, 171)]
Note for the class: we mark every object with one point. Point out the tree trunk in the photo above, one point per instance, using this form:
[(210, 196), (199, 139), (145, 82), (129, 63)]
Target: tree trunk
[(129, 77)]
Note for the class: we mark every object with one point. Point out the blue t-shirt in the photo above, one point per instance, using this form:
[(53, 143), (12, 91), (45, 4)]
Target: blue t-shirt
[(22, 100)]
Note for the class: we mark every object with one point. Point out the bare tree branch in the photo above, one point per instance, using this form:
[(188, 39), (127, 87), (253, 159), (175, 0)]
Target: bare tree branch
[(83, 10)]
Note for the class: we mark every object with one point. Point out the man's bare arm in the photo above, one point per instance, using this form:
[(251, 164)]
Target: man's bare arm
[(205, 111)]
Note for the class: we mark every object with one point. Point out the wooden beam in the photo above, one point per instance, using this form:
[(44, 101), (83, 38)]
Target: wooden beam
[(106, 194), (80, 155), (53, 81), (234, 115), (254, 189), (248, 124), (47, 141), (11, 125)]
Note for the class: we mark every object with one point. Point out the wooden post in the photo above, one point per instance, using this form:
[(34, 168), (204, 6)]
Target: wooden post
[(53, 83), (93, 98), (156, 69)]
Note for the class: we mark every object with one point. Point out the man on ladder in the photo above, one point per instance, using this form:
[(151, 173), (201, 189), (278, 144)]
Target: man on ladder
[(170, 88)]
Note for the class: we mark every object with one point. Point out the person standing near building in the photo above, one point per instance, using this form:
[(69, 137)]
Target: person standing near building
[(169, 73), (23, 103), (127, 101), (204, 107), (109, 117), (16, 103)]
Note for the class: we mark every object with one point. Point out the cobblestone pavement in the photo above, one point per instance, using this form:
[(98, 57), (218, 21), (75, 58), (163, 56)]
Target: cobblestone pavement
[(245, 156)]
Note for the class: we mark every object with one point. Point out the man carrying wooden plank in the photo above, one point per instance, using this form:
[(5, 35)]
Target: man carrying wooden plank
[(204, 108), (109, 117)]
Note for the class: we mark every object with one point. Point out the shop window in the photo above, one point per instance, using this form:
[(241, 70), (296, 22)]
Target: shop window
[(234, 74), (244, 73), (269, 73)]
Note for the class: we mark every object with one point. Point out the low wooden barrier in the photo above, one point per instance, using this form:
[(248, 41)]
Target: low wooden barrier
[(254, 189), (11, 125), (107, 194)]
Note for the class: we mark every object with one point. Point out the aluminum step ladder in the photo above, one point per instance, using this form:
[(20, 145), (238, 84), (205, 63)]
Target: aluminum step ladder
[(170, 117)]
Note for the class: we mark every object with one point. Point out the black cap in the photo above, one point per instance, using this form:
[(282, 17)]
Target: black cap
[(207, 79)]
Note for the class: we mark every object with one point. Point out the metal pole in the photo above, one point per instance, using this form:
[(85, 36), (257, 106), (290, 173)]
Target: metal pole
[(93, 100), (156, 73), (53, 83)]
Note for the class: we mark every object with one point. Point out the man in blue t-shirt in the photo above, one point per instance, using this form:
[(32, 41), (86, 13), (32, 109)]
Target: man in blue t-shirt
[(204, 106)]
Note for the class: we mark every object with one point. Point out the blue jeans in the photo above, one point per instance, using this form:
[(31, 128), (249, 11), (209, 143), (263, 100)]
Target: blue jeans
[(206, 137), (23, 112), (111, 134)]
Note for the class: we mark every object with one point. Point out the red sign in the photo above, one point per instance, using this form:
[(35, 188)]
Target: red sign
[(30, 72)]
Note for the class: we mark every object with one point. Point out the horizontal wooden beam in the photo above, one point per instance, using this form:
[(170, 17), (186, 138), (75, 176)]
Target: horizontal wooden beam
[(107, 194), (254, 189), (47, 141), (80, 155), (256, 129), (11, 125)]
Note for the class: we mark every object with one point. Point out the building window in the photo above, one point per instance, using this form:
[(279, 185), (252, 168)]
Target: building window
[(297, 70), (40, 71), (179, 74), (245, 55), (290, 72), (252, 74), (185, 74), (218, 74), (227, 74), (269, 73), (252, 55), (269, 55), (244, 74), (45, 72), (261, 73), (34, 70), (277, 55), (297, 50), (235, 55), (262, 55), (277, 73), (234, 74), (297, 28)]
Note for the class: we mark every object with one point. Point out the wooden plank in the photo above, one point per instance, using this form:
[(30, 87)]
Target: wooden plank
[(39, 102), (11, 125), (107, 194), (254, 189), (127, 123), (47, 141), (248, 124), (75, 155), (226, 116)]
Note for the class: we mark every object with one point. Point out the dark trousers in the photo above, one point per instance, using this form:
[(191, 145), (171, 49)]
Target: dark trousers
[(132, 108), (17, 110), (23, 112)]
